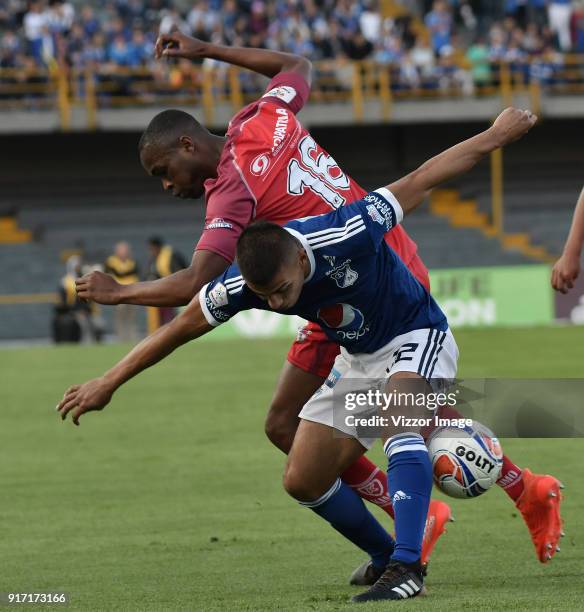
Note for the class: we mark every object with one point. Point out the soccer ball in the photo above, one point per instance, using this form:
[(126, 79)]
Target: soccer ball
[(466, 462)]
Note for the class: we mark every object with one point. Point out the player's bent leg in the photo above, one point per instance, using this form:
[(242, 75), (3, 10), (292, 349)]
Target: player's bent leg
[(318, 456), (295, 387), (310, 361), (312, 478), (419, 359), (410, 477)]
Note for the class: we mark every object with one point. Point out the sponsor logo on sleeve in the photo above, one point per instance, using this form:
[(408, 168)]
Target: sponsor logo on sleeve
[(218, 295), (216, 312), (218, 223), (284, 92), (383, 209), (260, 164), (374, 214), (333, 378)]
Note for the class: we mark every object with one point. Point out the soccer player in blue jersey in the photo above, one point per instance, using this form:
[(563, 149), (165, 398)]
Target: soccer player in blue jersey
[(336, 270)]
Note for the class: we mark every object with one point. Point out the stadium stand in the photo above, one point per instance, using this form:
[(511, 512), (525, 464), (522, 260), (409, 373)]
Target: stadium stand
[(113, 197), (101, 55), (95, 55)]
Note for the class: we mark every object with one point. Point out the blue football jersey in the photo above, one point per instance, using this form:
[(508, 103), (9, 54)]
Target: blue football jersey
[(358, 289)]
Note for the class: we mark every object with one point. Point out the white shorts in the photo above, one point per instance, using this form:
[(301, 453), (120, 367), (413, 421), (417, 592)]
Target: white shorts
[(430, 353)]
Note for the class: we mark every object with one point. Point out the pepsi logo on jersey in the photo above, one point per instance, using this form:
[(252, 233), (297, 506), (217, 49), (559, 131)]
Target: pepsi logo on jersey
[(346, 320)]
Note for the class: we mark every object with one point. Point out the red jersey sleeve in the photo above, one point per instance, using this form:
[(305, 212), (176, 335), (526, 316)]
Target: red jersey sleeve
[(288, 89), (230, 208)]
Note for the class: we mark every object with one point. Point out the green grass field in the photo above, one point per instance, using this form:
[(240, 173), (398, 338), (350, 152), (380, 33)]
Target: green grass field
[(171, 499)]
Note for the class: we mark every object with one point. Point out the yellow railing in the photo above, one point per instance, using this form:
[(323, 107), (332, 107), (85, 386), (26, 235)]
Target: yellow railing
[(357, 84)]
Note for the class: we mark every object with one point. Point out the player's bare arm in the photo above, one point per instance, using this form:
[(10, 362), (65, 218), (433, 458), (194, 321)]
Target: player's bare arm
[(511, 125), (567, 269), (263, 61), (97, 393), (176, 289)]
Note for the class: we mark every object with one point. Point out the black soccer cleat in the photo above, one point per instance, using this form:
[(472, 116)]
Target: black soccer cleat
[(366, 574), (399, 581)]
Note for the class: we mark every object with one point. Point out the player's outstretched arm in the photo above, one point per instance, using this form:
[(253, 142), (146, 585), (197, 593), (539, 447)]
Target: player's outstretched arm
[(177, 289), (509, 126), (263, 61), (97, 393), (567, 269)]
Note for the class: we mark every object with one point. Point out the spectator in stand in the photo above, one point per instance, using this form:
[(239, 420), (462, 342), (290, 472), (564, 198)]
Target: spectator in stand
[(478, 57), (60, 16), (532, 41), (370, 21), (560, 14), (202, 18), (578, 24), (518, 10), (358, 47), (10, 48), (110, 34), (34, 22), (164, 261), (75, 320), (119, 51), (497, 43), (89, 21), (125, 270), (172, 19), (423, 58), (537, 13), (439, 22)]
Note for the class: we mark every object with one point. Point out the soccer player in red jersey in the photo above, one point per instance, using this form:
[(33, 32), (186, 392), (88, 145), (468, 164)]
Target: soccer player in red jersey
[(269, 167)]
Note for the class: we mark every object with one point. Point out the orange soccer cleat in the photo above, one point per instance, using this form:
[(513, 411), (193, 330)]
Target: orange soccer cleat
[(539, 505), (438, 515)]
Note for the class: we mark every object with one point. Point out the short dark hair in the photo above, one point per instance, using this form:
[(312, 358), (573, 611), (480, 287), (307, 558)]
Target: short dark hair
[(262, 248), (156, 241), (166, 128)]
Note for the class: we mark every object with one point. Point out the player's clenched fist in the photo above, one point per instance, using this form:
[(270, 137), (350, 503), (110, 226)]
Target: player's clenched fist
[(176, 44), (512, 124), (79, 399), (565, 272), (98, 287)]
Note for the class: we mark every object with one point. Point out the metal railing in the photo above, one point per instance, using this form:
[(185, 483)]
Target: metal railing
[(353, 83)]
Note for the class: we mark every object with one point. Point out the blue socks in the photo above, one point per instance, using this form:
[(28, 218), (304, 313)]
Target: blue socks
[(346, 512), (409, 476)]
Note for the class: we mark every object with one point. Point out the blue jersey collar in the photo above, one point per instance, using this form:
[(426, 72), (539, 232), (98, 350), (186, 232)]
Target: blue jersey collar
[(300, 237)]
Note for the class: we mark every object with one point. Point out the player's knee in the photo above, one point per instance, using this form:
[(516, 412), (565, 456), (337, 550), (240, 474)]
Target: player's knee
[(298, 484), (280, 428)]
